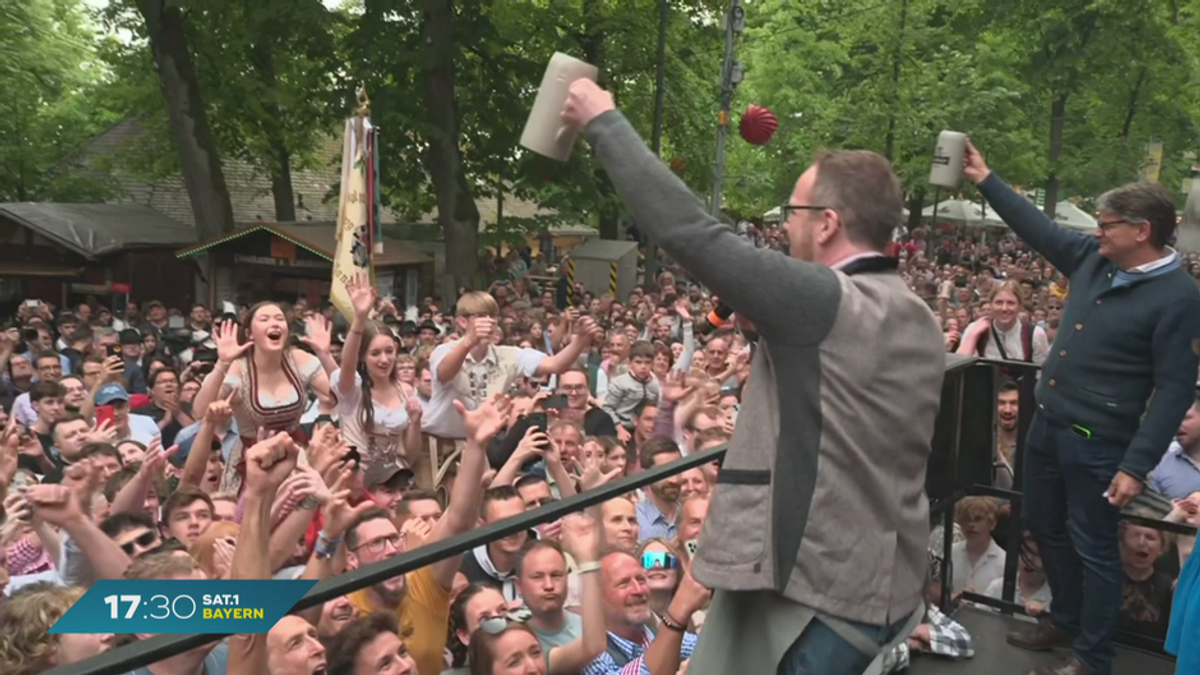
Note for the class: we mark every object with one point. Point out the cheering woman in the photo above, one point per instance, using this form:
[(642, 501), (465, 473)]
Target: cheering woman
[(269, 380), (379, 414)]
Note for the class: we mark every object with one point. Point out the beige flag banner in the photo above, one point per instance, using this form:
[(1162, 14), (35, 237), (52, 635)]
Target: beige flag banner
[(353, 248)]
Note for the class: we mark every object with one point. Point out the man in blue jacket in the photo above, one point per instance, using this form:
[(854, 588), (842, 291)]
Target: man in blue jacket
[(1120, 376)]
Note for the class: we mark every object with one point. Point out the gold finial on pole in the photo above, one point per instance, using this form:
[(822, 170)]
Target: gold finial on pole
[(364, 103)]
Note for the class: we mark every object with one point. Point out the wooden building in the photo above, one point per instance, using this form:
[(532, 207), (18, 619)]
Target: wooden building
[(274, 261)]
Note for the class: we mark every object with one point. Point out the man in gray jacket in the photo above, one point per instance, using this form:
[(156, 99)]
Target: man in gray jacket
[(816, 538)]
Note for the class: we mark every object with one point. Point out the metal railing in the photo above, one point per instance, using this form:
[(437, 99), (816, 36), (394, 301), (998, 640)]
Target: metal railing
[(983, 418), (967, 416), (145, 652)]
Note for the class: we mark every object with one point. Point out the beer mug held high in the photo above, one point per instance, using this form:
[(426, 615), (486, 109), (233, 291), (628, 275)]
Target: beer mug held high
[(948, 159), (545, 132)]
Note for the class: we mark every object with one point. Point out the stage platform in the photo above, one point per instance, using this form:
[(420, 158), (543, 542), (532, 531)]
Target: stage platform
[(994, 656)]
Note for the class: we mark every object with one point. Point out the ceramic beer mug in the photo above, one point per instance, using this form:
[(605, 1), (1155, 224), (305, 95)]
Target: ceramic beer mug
[(545, 132), (948, 159)]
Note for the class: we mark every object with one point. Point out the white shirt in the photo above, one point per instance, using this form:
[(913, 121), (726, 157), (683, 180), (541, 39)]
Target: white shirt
[(477, 380), (22, 410), (142, 429), (1155, 264), (1012, 343), (981, 575)]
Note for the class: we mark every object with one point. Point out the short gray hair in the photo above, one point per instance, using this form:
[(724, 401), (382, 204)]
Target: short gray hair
[(861, 186), (1143, 202), (101, 332)]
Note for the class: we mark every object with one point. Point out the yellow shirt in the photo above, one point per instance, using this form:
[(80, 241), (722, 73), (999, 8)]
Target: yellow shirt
[(424, 617)]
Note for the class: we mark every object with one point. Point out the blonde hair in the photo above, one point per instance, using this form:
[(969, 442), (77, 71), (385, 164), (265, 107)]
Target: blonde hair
[(1006, 286), (25, 647), (203, 550), (477, 302)]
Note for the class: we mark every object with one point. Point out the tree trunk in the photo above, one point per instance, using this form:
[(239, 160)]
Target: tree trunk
[(457, 215), (1058, 113), (279, 162), (198, 158)]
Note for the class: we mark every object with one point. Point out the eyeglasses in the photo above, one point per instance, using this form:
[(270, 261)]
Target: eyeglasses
[(380, 545), (788, 210), (1107, 225), (143, 542), (494, 625), (659, 559)]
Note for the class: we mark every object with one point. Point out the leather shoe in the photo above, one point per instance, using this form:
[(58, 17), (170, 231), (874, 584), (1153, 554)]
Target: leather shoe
[(1071, 666), (1041, 637)]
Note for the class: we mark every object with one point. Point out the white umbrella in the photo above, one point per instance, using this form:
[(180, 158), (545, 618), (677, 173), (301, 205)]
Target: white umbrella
[(955, 211), (1073, 218)]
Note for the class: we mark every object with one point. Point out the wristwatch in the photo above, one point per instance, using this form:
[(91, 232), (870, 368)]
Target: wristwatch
[(308, 503)]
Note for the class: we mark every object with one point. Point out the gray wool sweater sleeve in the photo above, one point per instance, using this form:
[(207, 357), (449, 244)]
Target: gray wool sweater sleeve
[(790, 301)]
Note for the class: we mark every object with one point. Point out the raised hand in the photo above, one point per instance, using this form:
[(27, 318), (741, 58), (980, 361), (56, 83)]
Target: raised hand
[(54, 504), (155, 462), (485, 421), (308, 483), (674, 388), (223, 557), (320, 334), (974, 167), (581, 537), (228, 348), (220, 411), (114, 369), (362, 295), (103, 432), (585, 102), (587, 329), (479, 330), (682, 308), (338, 513), (415, 532), (592, 476), (534, 443), (413, 407), (270, 461)]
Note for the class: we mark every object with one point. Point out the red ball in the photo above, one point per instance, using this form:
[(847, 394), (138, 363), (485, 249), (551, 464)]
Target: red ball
[(758, 124)]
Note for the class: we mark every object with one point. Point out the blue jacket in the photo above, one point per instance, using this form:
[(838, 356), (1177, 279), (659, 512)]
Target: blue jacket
[(1124, 363)]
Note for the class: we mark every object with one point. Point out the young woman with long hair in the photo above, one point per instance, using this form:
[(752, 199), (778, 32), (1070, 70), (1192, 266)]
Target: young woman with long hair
[(265, 378), (379, 414)]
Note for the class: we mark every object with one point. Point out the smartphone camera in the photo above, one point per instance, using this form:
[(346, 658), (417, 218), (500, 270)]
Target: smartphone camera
[(112, 350), (353, 457)]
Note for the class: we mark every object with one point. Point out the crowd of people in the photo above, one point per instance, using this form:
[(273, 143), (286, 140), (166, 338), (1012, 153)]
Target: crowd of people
[(282, 440)]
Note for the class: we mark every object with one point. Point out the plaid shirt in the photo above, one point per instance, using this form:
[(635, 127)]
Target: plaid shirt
[(27, 556), (947, 638), (634, 654)]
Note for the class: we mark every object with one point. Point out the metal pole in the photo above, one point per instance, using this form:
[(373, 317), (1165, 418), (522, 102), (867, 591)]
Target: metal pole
[(660, 93), (730, 76)]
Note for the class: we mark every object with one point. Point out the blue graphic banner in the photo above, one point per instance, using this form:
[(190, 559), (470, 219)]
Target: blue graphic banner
[(169, 606)]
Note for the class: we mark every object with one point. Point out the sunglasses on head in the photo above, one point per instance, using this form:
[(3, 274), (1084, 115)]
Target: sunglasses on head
[(145, 540), (494, 625), (659, 559)]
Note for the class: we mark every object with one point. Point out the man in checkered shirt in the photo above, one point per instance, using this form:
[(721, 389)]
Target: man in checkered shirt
[(938, 634), (637, 643)]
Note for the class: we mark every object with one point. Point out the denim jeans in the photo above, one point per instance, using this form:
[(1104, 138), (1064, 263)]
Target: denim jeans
[(1077, 533), (820, 651)]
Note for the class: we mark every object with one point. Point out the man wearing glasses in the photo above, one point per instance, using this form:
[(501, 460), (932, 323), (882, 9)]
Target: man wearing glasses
[(819, 524), (1118, 380)]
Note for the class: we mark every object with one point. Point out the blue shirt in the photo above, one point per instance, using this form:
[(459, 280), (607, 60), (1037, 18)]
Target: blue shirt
[(633, 654), (1177, 475), (652, 523)]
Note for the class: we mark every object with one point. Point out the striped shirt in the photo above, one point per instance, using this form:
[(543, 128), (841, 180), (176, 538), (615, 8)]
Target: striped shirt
[(633, 655)]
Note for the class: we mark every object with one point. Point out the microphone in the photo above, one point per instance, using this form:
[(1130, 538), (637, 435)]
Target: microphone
[(718, 318)]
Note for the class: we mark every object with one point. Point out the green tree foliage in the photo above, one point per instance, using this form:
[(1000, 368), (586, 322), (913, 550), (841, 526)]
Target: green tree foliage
[(53, 82)]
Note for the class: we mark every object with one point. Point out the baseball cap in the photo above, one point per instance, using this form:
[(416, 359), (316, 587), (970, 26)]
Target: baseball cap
[(380, 474), (111, 392)]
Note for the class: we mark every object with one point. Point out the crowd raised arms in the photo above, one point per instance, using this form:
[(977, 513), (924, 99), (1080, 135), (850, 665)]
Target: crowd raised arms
[(282, 440)]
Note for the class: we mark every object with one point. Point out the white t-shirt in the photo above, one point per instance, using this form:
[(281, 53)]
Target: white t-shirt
[(476, 381), (142, 429)]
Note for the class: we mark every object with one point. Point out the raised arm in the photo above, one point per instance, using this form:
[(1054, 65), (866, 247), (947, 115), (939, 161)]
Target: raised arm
[(1064, 248), (768, 288), (213, 386), (482, 423), (582, 335), (362, 297)]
